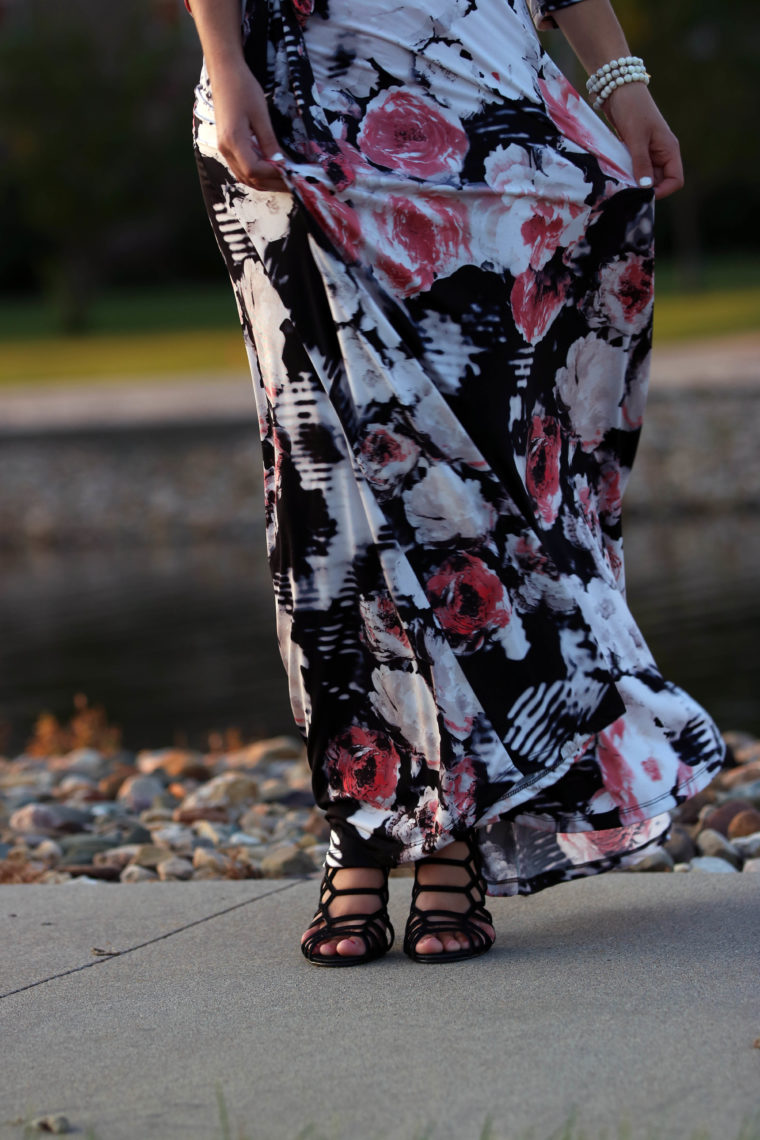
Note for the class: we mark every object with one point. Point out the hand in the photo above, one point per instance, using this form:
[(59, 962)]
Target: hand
[(653, 146), (245, 136)]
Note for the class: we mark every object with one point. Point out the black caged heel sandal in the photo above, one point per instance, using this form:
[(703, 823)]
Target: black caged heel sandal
[(374, 928), (423, 923)]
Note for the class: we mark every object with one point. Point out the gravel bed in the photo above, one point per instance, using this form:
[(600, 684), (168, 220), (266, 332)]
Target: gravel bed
[(76, 805)]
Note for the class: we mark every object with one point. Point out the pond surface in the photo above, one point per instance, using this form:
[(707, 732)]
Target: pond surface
[(177, 642)]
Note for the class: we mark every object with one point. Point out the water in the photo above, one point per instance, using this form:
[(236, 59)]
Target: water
[(180, 641)]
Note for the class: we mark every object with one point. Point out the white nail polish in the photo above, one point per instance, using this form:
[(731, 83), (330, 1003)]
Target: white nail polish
[(278, 156), (645, 182)]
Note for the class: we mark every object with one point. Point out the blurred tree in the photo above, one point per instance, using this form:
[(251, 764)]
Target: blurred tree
[(94, 122), (703, 57)]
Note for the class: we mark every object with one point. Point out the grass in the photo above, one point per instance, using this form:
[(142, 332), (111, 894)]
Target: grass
[(153, 332)]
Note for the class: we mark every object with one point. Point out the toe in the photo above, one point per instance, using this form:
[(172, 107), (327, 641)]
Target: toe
[(429, 945), (350, 947)]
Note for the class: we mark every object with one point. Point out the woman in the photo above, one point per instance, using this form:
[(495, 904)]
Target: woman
[(442, 259)]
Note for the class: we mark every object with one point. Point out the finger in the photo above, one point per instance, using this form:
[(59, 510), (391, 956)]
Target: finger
[(249, 166), (643, 171), (669, 177)]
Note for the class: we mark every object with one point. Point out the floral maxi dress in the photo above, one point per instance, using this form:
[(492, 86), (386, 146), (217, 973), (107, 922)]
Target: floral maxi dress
[(448, 319)]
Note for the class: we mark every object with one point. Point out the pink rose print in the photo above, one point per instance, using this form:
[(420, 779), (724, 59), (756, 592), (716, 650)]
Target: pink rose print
[(420, 241), (587, 846), (617, 774), (543, 230), (564, 105), (337, 219), (459, 789), (469, 600), (535, 304), (625, 293), (387, 456), (412, 135), (610, 495), (304, 9), (545, 205), (364, 764), (542, 471)]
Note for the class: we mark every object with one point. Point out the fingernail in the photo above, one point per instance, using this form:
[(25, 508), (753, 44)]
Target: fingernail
[(645, 182), (278, 156)]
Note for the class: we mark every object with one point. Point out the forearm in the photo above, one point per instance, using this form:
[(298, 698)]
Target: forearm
[(218, 26), (593, 32)]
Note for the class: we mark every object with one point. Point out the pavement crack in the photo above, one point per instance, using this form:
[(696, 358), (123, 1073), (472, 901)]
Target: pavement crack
[(109, 955)]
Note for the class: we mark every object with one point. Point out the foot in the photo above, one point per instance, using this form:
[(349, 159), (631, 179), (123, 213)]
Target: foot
[(349, 878), (429, 875)]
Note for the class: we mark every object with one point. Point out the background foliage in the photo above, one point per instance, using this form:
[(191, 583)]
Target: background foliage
[(97, 185)]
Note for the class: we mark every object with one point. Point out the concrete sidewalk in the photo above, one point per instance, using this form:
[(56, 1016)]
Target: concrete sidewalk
[(631, 997), (727, 363)]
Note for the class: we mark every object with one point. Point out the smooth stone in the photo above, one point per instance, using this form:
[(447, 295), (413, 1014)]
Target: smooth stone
[(273, 790), (47, 819), (74, 783), (317, 825), (265, 752), (89, 762), (735, 777), (193, 814), (213, 832), (682, 867), (298, 798), (744, 823), (243, 839), (688, 811), (176, 837), (175, 763), (139, 792), (135, 874), (288, 860), (720, 818), (657, 860), (156, 815), (111, 784), (259, 819), (54, 877), (752, 865), (208, 859), (48, 850), (712, 843), (748, 845), (711, 863), (175, 868), (116, 856), (122, 832), (750, 792), (85, 841), (54, 1122), (747, 751), (84, 852), (231, 789), (105, 872), (108, 811), (679, 845), (149, 855)]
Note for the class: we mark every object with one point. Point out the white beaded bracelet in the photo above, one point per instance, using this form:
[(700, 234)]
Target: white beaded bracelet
[(626, 69)]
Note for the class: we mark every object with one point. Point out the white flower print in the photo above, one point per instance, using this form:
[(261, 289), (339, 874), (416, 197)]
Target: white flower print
[(443, 506), (405, 702), (591, 386)]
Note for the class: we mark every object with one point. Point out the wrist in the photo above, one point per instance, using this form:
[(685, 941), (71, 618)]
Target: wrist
[(226, 66)]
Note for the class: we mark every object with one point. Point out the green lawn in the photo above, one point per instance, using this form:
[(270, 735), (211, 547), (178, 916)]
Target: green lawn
[(150, 332)]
